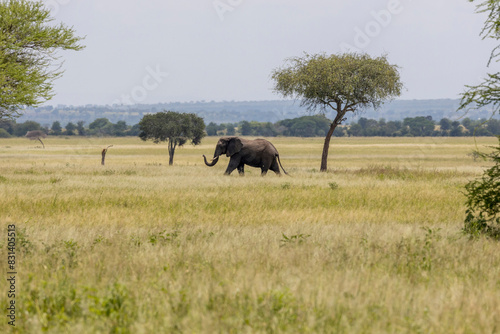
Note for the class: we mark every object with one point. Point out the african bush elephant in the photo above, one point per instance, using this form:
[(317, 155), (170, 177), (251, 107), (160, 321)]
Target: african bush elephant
[(256, 153)]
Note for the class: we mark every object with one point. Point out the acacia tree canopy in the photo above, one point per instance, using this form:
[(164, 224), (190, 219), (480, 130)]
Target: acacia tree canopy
[(36, 135), (348, 82), (174, 128), (28, 54)]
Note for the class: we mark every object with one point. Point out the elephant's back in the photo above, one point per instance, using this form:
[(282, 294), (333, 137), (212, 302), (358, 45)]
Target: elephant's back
[(267, 146)]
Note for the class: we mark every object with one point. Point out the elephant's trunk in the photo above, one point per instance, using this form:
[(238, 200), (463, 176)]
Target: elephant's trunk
[(211, 164)]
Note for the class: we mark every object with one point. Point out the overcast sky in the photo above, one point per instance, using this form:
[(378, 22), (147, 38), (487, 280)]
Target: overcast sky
[(165, 51)]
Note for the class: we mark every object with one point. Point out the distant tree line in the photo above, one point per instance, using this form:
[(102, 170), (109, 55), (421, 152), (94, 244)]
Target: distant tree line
[(424, 127), (235, 112), (305, 126), (317, 126), (99, 127)]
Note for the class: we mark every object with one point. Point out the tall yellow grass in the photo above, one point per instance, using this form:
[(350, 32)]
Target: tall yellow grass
[(136, 246)]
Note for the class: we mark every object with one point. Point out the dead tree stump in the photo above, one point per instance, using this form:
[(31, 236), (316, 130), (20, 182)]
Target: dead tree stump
[(103, 153)]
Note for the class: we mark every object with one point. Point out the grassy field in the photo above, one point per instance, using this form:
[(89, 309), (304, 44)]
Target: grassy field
[(136, 246)]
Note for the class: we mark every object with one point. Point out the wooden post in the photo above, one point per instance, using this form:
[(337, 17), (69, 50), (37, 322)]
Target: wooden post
[(103, 153)]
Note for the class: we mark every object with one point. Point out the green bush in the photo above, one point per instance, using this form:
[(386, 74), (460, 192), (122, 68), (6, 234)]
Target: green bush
[(4, 133), (483, 200)]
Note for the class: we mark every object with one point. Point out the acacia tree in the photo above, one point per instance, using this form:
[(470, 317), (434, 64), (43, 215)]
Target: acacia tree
[(174, 128), (343, 83), (36, 135), (483, 195), (28, 54)]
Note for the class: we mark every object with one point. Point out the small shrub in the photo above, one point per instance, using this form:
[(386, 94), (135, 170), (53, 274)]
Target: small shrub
[(293, 239), (116, 307), (100, 240), (24, 245), (333, 185), (136, 240), (71, 248), (163, 237), (54, 180), (286, 185), (54, 304)]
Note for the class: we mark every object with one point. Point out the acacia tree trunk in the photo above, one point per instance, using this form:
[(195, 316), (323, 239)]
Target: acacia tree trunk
[(171, 151), (326, 146), (41, 142), (171, 158)]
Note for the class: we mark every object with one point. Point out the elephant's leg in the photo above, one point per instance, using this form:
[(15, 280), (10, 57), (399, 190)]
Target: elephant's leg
[(241, 169), (275, 167), (233, 164), (267, 164), (264, 170)]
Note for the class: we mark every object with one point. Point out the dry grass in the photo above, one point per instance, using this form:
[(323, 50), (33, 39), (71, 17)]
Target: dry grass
[(373, 246)]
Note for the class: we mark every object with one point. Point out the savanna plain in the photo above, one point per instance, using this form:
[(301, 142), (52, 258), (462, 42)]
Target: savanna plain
[(136, 246)]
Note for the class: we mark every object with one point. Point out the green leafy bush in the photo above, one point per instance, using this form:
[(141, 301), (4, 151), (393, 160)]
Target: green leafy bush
[(483, 200), (4, 133)]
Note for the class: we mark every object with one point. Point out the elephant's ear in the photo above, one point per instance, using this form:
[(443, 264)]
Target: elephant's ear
[(234, 146)]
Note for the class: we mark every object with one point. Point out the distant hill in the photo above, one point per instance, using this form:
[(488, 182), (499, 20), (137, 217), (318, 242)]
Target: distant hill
[(233, 112)]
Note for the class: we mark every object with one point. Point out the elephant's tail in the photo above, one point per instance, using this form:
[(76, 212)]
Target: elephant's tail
[(278, 156)]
